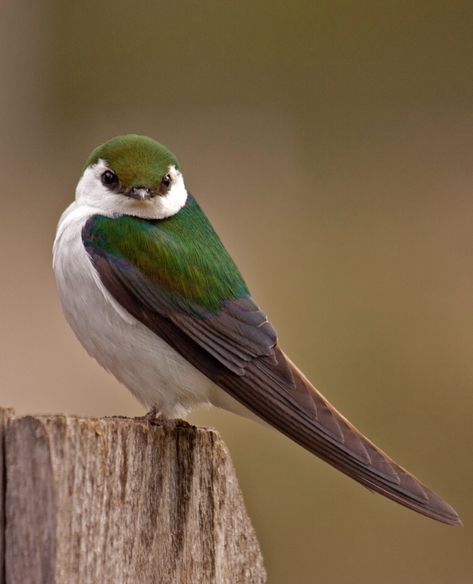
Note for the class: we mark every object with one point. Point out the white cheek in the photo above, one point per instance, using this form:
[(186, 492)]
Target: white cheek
[(91, 192), (175, 198)]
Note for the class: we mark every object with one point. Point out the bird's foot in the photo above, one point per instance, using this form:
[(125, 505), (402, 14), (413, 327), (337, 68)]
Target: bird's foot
[(157, 419), (170, 424), (149, 416)]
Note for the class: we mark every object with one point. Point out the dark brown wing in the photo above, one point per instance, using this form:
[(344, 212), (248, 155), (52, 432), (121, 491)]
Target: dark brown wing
[(236, 348)]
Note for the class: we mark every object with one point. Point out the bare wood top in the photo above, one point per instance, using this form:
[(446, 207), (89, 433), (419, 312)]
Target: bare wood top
[(116, 500)]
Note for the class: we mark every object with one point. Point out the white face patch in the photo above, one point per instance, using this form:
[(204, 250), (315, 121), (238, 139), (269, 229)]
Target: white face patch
[(91, 192)]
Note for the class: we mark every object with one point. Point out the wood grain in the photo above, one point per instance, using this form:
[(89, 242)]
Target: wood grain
[(117, 500), (5, 414)]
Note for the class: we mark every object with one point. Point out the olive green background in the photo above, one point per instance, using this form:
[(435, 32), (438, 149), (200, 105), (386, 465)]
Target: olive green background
[(331, 145)]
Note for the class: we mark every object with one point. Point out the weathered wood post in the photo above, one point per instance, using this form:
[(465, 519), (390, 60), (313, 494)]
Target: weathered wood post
[(116, 500)]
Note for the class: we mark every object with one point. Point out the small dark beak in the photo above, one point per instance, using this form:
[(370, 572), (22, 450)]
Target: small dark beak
[(140, 193)]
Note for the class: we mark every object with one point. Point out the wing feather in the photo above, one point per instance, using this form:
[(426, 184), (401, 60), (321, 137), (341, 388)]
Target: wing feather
[(237, 348)]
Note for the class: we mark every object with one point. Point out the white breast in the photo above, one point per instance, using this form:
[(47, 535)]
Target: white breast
[(155, 373)]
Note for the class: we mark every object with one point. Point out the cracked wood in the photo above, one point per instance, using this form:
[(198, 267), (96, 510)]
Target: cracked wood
[(116, 500)]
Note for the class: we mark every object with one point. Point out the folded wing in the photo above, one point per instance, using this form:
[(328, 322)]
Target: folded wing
[(237, 348)]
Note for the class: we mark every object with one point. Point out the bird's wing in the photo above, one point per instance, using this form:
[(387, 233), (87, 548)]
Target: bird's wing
[(232, 342)]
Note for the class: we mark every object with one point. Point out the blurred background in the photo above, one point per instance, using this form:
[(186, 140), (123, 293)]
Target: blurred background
[(331, 145)]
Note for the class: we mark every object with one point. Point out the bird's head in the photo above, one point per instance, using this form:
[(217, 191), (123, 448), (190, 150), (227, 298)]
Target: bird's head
[(132, 175)]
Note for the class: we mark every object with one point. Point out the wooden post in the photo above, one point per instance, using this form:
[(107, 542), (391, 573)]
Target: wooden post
[(117, 500)]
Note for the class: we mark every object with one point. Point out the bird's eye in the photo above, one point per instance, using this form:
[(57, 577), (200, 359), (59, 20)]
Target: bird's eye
[(109, 178), (166, 181)]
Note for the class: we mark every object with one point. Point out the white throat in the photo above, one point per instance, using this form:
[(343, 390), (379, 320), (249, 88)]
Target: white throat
[(92, 193)]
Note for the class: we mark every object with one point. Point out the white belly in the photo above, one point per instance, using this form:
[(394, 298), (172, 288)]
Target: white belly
[(155, 373)]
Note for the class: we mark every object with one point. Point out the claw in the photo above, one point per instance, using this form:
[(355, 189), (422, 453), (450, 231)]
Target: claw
[(149, 416)]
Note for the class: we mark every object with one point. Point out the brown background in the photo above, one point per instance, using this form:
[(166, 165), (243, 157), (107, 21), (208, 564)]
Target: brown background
[(331, 145)]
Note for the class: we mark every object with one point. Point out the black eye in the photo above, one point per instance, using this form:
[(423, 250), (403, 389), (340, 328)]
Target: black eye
[(166, 181), (109, 178)]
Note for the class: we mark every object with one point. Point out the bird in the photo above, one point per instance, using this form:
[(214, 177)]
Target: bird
[(153, 295)]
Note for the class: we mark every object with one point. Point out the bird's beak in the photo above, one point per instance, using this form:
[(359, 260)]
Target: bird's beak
[(140, 193)]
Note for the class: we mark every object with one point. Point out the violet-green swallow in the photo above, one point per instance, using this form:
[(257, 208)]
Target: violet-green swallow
[(154, 297)]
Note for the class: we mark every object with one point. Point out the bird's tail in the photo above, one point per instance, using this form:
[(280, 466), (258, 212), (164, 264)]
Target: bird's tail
[(290, 403)]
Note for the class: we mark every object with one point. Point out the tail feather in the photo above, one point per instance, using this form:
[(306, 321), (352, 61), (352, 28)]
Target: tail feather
[(298, 410)]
